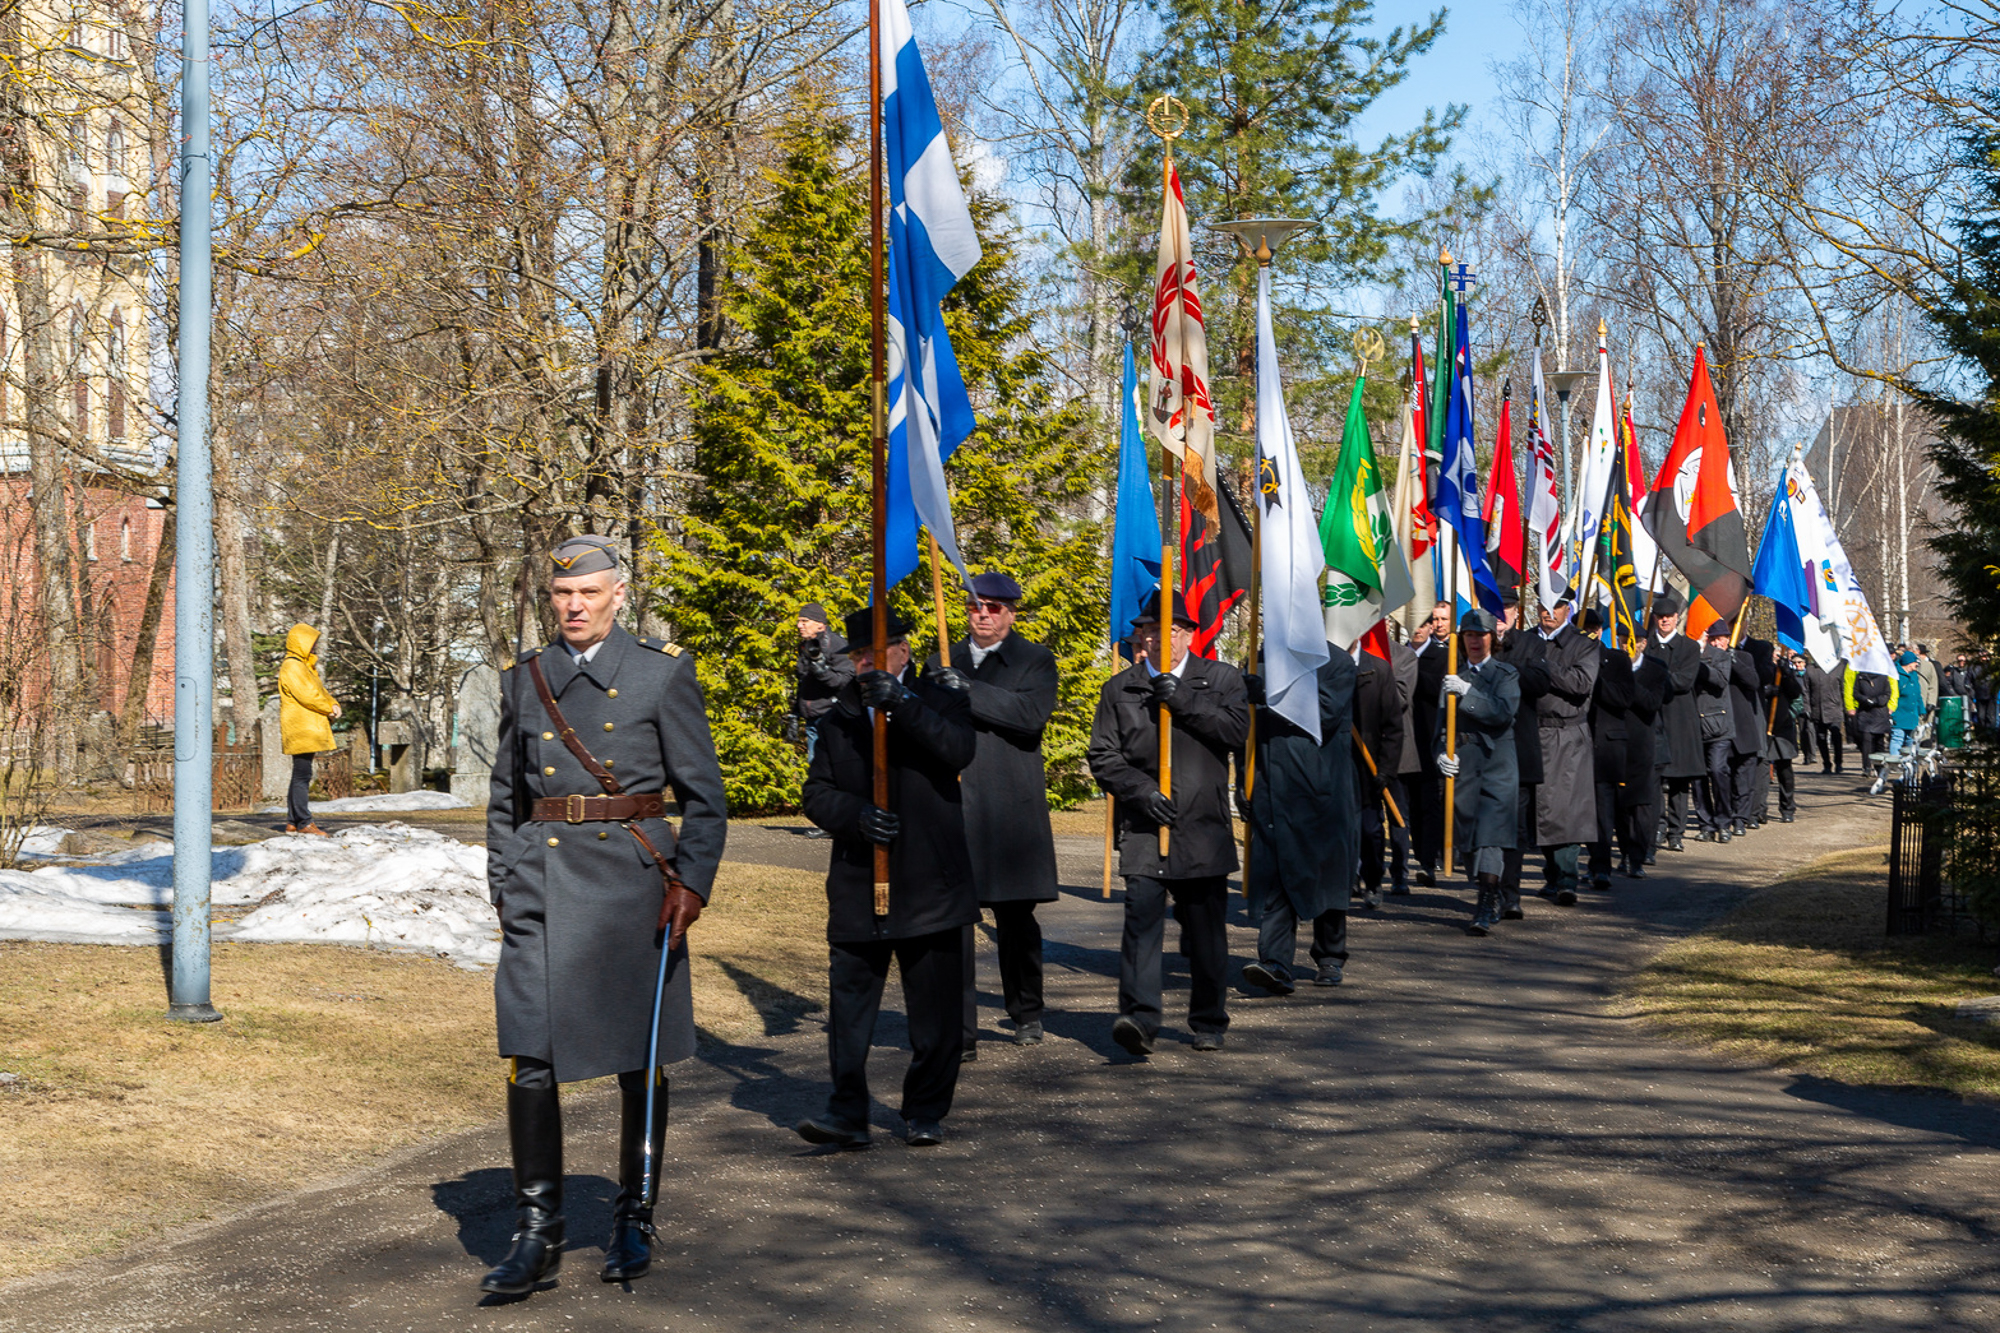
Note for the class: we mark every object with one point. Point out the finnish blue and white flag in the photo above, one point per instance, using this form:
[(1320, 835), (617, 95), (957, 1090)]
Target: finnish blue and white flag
[(932, 245)]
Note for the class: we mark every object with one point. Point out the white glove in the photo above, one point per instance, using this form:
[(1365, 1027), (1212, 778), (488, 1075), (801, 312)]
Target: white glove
[(1457, 685), (1448, 763)]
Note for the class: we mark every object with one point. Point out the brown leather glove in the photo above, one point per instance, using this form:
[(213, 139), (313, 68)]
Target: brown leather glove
[(678, 911)]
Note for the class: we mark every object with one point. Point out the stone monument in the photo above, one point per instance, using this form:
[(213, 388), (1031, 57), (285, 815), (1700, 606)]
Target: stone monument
[(478, 734)]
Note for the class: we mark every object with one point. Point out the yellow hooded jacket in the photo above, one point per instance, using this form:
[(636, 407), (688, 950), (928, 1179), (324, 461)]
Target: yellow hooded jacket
[(304, 706)]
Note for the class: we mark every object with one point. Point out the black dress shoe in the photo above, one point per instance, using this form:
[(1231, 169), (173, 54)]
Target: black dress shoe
[(1784, 819), (1673, 845), (1565, 896), (924, 1134), (1399, 889), (1028, 1034), (1371, 899), (1723, 836), (1425, 877), (825, 1132), (1273, 981), (1128, 1034), (1600, 882), (1208, 1041), (969, 1054), (1637, 870)]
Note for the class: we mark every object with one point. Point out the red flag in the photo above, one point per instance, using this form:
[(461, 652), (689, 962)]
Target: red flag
[(1423, 523), (1692, 509), (1499, 511), (1202, 576)]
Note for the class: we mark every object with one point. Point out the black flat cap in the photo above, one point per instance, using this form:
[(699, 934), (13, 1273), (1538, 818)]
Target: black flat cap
[(995, 587), (859, 627), (1149, 611)]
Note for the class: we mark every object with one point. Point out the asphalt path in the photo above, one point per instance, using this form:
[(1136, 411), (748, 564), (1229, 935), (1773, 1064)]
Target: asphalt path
[(1460, 1136)]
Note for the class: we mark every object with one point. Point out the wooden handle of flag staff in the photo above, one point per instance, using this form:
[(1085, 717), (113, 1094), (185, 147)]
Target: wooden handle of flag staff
[(937, 602), (1166, 631), (1110, 837), (879, 430), (1450, 747), (1376, 773), (1736, 630)]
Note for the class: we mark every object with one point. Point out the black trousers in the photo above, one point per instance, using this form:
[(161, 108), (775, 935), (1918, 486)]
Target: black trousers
[(1425, 811), (1759, 802), (1870, 742), (1718, 793), (298, 813), (1202, 908), (1831, 738), (932, 968), (1788, 800), (1375, 846), (1609, 843), (1278, 936), (1805, 734), (1674, 796), (1019, 942), (1524, 837)]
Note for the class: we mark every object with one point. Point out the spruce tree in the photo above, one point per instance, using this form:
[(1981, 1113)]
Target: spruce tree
[(779, 513), (1966, 315)]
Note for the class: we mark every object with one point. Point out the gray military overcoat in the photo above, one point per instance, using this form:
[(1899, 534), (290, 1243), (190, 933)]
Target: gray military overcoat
[(579, 952), (1566, 800), (1488, 789)]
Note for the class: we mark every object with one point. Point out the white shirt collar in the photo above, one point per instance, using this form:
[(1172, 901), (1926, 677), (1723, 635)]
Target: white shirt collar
[(979, 654), (1177, 672), (585, 654)]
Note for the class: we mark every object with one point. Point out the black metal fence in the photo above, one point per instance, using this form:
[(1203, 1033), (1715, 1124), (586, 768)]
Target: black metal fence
[(1921, 823)]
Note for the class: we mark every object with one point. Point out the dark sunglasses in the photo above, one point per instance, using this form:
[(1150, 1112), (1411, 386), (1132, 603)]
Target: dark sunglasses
[(990, 608)]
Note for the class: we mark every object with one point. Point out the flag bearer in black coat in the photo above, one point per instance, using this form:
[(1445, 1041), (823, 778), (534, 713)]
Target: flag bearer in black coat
[(1566, 801), (1827, 714), (593, 885), (1763, 655), (1523, 648), (1639, 798), (931, 895), (1427, 813), (1012, 687), (1788, 693), (1211, 719), (1303, 849), (1378, 723), (1678, 755), (1610, 724)]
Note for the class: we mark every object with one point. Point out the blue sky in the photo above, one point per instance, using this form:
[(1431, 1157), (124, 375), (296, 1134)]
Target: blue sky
[(1456, 69)]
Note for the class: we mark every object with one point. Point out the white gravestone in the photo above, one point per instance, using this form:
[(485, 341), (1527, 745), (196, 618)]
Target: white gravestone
[(478, 734)]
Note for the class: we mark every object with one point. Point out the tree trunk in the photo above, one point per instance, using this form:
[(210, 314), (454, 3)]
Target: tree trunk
[(232, 576), (139, 682)]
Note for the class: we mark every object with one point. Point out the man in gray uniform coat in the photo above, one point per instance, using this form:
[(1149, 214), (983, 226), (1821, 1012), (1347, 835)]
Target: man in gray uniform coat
[(1011, 684), (1486, 779), (592, 883)]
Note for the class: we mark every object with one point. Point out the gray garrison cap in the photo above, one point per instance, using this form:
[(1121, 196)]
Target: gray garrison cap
[(584, 555)]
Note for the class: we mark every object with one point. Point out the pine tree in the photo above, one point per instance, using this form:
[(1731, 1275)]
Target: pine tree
[(780, 513), (1966, 315)]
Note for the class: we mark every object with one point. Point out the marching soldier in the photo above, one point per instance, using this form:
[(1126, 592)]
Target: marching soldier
[(1527, 652), (1211, 718), (1012, 689), (592, 883), (931, 898), (1611, 726), (1678, 751), (1486, 795)]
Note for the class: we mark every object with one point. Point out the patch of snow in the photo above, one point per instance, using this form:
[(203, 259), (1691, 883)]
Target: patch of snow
[(42, 840), (386, 803), (387, 885)]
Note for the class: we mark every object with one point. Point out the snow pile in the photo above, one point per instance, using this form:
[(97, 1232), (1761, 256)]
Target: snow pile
[(386, 803), (382, 884), (388, 885), (42, 840)]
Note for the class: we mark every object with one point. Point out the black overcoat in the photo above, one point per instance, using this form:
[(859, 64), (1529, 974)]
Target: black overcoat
[(1428, 700), (579, 903), (1528, 653), (1678, 750), (930, 871), (1566, 803), (1611, 717), (1642, 731), (1785, 691), (1871, 703), (1306, 842), (1378, 721), (1211, 720), (1405, 665), (1007, 828), (1824, 704), (1746, 702)]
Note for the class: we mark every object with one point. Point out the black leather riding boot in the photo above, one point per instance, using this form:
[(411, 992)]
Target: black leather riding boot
[(534, 1129), (1487, 915), (630, 1250)]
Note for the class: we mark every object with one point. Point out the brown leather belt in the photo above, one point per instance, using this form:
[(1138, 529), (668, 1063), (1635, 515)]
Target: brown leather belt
[(600, 809)]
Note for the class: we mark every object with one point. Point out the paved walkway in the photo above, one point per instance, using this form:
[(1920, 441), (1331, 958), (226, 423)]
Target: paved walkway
[(1458, 1137)]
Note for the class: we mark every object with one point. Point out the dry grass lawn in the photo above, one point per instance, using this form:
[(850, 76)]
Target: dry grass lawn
[(118, 1124), (1801, 976)]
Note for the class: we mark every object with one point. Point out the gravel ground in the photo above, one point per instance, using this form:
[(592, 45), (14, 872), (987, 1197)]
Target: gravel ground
[(1459, 1136)]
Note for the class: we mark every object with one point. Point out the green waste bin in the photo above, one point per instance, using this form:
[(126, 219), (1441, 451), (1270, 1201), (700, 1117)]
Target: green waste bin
[(1951, 721)]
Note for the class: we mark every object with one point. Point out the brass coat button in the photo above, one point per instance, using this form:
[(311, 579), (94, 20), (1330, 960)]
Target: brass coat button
[(602, 836), (555, 842), (611, 763), (548, 735), (549, 772), (611, 694), (607, 726)]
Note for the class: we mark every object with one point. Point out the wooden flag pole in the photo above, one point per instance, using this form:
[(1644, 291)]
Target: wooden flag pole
[(937, 602), (1736, 630), (1110, 837), (1376, 773), (879, 430), (1166, 631)]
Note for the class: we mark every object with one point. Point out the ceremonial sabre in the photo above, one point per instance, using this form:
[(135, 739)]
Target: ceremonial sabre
[(653, 1069)]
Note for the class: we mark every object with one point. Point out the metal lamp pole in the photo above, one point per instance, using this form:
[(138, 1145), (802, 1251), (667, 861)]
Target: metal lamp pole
[(194, 560)]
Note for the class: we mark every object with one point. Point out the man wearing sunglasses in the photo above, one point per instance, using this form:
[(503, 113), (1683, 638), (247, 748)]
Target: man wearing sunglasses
[(1011, 682)]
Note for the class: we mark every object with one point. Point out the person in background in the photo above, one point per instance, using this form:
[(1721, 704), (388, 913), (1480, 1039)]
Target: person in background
[(305, 721), (1610, 723), (1826, 714), (1426, 810), (1927, 674), (1871, 698), (1907, 713), (1679, 752), (1787, 692)]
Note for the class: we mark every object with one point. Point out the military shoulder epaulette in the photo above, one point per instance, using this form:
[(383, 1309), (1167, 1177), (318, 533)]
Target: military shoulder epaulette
[(513, 662), (662, 646)]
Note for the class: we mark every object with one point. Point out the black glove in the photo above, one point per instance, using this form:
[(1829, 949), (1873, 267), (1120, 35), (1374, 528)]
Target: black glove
[(879, 825), (951, 678), (792, 730), (1254, 687), (881, 690), (1160, 806), (1164, 687)]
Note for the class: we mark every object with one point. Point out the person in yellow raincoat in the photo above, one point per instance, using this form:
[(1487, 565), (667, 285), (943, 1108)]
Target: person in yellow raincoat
[(305, 717)]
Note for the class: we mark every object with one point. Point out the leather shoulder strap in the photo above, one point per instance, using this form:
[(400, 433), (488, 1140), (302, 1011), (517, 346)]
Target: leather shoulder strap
[(568, 734)]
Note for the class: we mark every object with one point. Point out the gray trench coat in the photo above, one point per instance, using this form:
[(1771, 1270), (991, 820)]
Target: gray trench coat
[(1566, 800), (1488, 788), (579, 903)]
